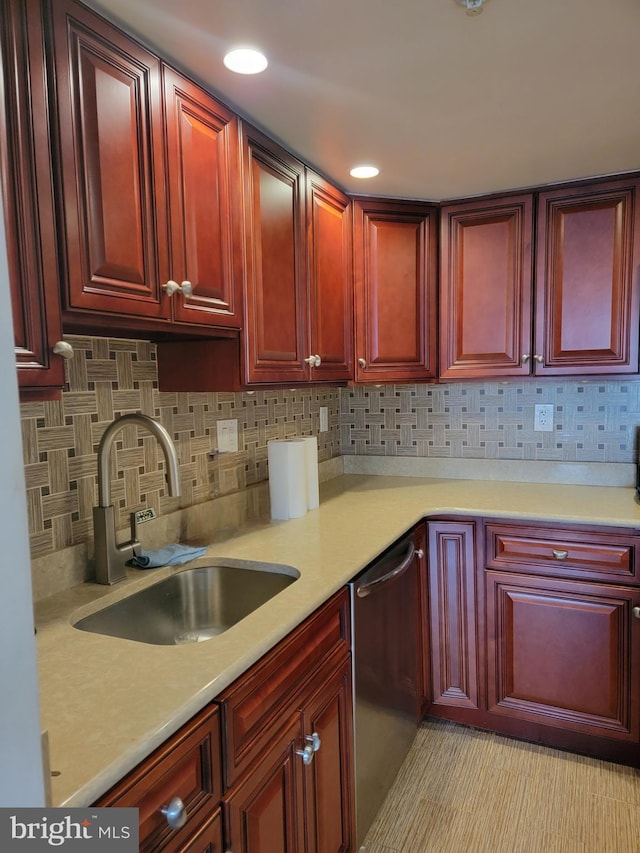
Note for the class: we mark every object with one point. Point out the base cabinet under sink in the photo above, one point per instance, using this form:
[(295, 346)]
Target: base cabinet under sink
[(269, 765)]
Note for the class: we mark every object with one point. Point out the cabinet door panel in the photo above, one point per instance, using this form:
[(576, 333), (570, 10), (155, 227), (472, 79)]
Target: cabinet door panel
[(394, 291), (111, 145), (275, 338), (27, 197), (203, 163), (564, 653), (486, 274), (330, 786), (587, 280), (264, 812), (453, 621), (330, 279)]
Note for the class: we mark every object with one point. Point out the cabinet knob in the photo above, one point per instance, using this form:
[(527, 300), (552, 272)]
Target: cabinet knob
[(362, 362), (525, 358), (636, 612), (63, 349), (314, 740), (312, 745), (559, 554), (171, 287), (419, 553), (313, 360), (538, 358), (175, 813)]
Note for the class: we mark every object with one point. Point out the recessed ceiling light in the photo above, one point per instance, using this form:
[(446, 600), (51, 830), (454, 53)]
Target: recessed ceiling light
[(245, 60), (364, 172)]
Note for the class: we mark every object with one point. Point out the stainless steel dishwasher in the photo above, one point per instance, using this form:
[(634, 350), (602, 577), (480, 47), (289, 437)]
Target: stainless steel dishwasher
[(385, 618)]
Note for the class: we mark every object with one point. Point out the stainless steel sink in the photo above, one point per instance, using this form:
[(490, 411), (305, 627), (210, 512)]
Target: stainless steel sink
[(192, 605)]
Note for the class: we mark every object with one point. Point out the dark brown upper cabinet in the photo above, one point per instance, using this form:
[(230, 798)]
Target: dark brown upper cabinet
[(204, 204), (298, 291), (299, 269), (28, 205), (486, 288), (276, 340), (330, 280), (112, 167), (579, 314), (131, 260), (395, 291), (587, 280)]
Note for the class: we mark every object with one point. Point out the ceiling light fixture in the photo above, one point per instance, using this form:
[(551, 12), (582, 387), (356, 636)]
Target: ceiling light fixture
[(245, 60), (473, 7), (364, 172)]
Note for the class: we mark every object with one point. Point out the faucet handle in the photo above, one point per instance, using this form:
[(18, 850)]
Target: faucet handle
[(136, 547)]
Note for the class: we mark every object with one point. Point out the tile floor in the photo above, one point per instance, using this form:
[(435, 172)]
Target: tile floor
[(462, 790)]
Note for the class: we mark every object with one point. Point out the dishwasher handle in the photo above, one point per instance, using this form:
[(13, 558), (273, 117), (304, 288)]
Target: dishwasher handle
[(365, 589)]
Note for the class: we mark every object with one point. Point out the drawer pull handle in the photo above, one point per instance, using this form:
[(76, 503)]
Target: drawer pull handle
[(560, 555), (175, 813), (636, 612), (309, 750)]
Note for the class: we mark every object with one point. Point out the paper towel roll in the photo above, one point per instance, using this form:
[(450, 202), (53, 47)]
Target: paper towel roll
[(311, 454), (287, 478)]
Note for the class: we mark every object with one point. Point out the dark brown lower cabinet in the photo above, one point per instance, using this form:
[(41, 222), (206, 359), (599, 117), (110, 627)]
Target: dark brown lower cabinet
[(187, 766), (564, 653), (286, 804), (453, 616), (265, 811), (288, 725), (281, 737), (534, 631)]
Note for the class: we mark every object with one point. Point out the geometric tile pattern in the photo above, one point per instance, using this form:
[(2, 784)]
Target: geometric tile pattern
[(594, 421), (108, 377)]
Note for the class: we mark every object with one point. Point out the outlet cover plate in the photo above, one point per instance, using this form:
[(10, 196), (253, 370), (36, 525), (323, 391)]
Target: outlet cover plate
[(324, 418), (543, 418)]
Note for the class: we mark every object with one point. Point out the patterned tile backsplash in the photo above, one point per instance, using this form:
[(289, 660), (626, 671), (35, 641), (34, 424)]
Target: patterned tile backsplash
[(594, 421), (108, 377)]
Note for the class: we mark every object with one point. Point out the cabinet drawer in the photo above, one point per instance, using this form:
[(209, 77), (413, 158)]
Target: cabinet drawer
[(187, 766), (562, 552), (265, 691)]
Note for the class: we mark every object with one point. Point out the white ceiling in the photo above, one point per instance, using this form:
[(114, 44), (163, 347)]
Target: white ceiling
[(447, 105)]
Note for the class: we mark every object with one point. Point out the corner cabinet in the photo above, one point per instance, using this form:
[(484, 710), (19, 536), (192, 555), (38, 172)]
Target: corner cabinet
[(455, 638), (28, 202), (535, 632), (395, 291), (486, 288)]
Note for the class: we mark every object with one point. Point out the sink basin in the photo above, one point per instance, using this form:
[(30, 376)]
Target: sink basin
[(193, 605)]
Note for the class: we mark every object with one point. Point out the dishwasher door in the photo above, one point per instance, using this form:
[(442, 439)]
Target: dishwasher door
[(385, 613)]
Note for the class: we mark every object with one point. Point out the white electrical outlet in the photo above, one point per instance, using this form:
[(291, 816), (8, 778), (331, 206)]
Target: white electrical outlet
[(543, 418), (324, 418), (227, 436)]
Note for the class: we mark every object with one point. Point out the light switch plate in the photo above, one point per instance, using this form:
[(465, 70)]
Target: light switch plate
[(227, 436), (324, 418)]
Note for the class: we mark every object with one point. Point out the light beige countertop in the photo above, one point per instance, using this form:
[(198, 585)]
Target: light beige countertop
[(107, 703)]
